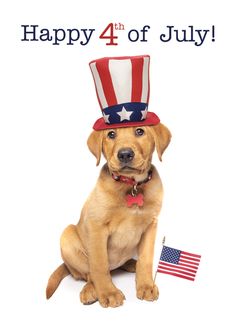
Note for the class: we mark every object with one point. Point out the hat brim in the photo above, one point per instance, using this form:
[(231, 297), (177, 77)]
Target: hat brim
[(151, 119)]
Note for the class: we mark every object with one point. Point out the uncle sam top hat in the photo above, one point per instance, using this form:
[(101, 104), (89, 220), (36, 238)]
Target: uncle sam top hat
[(122, 86)]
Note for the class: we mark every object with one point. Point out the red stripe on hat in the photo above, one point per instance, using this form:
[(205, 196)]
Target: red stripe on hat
[(137, 77), (105, 77), (148, 81)]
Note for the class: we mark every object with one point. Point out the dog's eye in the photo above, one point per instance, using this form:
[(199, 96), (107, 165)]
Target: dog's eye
[(139, 132), (111, 135)]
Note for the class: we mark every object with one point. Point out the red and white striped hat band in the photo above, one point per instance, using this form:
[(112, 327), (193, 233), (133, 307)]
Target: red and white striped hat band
[(122, 86)]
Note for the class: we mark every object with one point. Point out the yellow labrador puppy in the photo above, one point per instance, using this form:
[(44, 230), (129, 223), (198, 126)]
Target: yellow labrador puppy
[(119, 219)]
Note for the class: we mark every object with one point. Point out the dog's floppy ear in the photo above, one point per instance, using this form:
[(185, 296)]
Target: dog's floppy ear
[(162, 137), (95, 144)]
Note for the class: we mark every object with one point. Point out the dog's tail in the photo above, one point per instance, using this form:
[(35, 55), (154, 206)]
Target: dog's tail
[(55, 279)]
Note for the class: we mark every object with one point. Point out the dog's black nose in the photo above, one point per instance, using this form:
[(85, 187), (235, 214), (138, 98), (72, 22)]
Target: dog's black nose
[(125, 155)]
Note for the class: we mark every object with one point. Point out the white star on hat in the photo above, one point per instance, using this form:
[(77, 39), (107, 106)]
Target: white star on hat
[(144, 113), (106, 118), (124, 114)]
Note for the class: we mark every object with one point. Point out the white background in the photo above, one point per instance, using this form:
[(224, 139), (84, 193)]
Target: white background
[(48, 106)]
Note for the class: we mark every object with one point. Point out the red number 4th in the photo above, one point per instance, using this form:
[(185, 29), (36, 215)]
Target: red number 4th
[(108, 33)]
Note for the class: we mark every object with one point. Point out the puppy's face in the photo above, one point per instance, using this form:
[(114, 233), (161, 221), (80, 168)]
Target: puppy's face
[(129, 149)]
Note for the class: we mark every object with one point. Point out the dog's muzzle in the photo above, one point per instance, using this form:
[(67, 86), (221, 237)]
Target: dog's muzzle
[(125, 155)]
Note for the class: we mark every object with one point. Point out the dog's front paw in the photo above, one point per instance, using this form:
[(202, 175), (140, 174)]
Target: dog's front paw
[(147, 292), (112, 298)]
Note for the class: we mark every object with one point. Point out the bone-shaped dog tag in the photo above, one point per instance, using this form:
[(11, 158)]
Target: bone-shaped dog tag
[(131, 200)]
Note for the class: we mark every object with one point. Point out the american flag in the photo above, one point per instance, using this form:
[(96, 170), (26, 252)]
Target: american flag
[(178, 263)]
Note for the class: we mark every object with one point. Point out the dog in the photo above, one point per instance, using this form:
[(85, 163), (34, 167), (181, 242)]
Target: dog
[(119, 219)]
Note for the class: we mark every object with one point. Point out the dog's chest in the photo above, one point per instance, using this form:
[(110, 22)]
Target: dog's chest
[(125, 235), (126, 231)]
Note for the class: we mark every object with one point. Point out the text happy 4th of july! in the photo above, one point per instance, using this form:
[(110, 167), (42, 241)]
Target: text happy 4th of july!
[(85, 36)]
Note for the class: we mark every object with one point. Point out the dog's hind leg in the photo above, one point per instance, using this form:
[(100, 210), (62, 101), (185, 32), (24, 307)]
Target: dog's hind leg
[(129, 266), (88, 294), (74, 257), (73, 253), (77, 276)]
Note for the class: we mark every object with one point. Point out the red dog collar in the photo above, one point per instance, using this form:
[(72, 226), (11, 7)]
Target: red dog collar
[(134, 197), (131, 181)]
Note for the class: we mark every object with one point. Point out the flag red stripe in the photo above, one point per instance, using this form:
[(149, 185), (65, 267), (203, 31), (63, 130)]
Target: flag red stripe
[(188, 262), (189, 258), (190, 266), (191, 254), (175, 274), (177, 266), (137, 77), (176, 270), (106, 81)]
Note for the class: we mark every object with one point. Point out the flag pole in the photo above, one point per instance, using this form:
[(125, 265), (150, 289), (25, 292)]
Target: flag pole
[(163, 243), (155, 277)]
